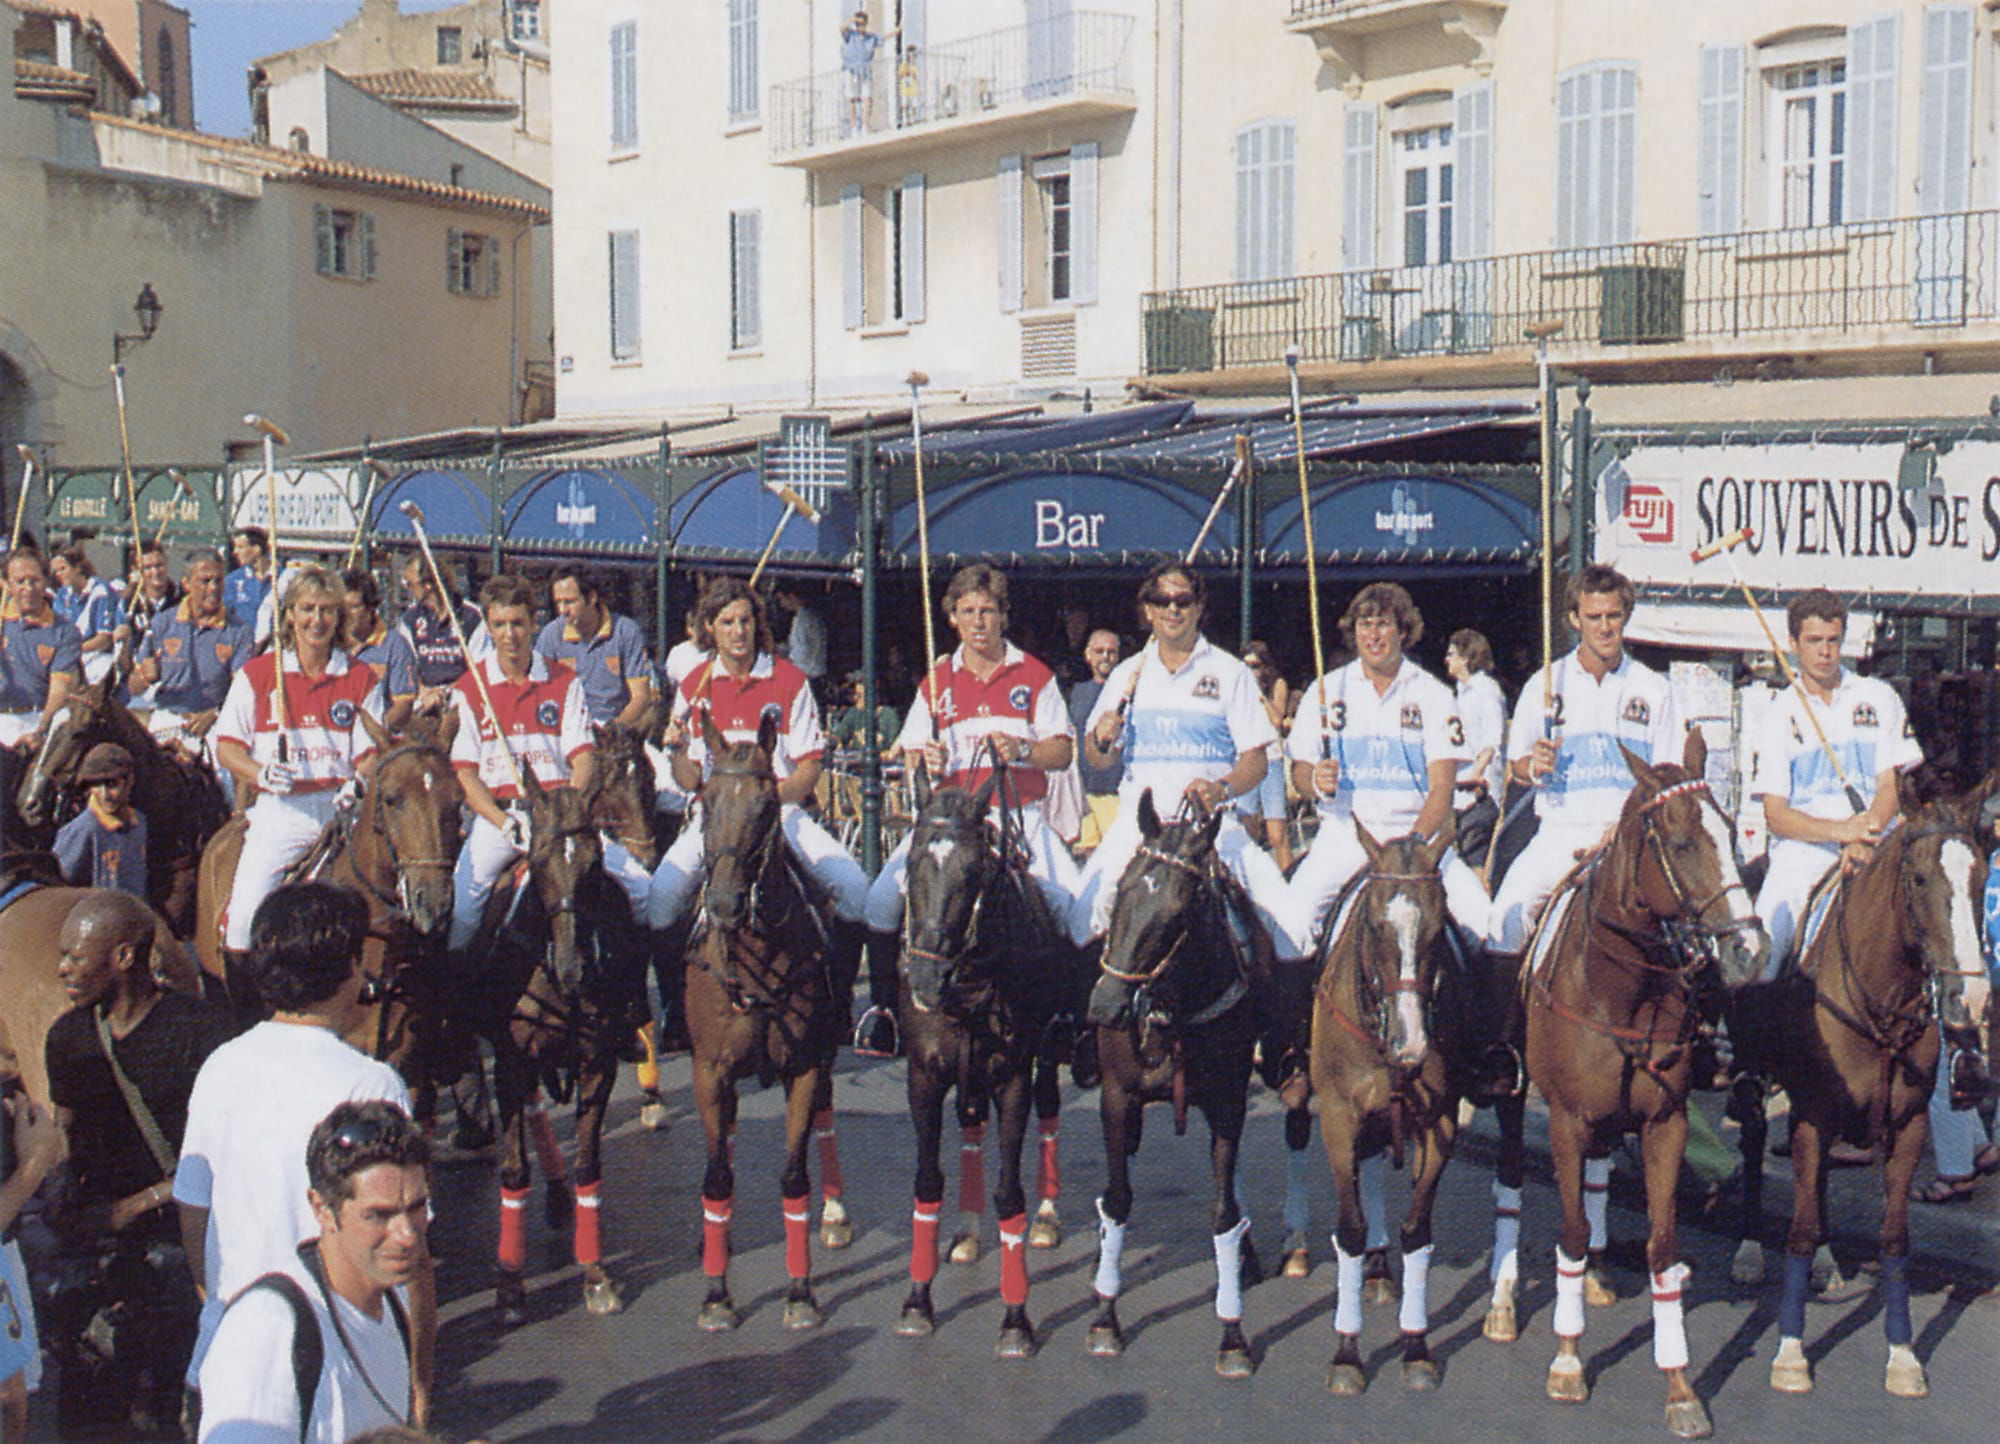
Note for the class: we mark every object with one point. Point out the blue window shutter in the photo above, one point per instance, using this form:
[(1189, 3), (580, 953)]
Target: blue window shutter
[(912, 250), (1083, 223), (853, 298), (1358, 184), (1009, 209), (1719, 141), (1872, 58)]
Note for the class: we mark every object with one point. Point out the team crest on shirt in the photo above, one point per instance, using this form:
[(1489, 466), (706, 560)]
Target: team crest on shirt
[(172, 646), (615, 666), (548, 714), (1638, 712), (45, 652), (1018, 699), (771, 712), (341, 714), (1209, 687), (224, 651), (1412, 718), (1864, 715)]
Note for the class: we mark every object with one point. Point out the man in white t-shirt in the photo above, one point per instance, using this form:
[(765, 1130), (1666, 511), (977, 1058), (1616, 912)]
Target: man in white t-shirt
[(368, 1167), (241, 1184)]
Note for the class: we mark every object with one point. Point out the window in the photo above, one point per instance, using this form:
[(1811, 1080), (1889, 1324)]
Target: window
[(1048, 229), (1597, 117), (457, 173), (1055, 230), (1423, 163), (882, 239), (1265, 186), (344, 243), (625, 85), (742, 61), (1809, 123), (471, 264), (451, 45), (525, 20), (624, 295), (167, 78), (746, 324)]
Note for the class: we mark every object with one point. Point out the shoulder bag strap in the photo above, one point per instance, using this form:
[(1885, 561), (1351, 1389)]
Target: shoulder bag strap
[(135, 1103)]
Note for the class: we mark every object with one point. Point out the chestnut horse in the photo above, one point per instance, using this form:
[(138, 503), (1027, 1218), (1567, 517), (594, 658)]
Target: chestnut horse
[(1614, 991)]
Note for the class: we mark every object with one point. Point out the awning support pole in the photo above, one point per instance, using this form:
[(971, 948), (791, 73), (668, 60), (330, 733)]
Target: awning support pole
[(1582, 485), (871, 756), (663, 628), (498, 500), (1246, 541)]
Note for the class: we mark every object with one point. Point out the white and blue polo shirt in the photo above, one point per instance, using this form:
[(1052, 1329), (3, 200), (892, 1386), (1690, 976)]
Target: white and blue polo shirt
[(1866, 727), (1631, 705), (1185, 725), (1384, 743)]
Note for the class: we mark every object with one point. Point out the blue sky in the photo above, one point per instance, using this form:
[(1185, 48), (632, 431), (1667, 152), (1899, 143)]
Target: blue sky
[(230, 34)]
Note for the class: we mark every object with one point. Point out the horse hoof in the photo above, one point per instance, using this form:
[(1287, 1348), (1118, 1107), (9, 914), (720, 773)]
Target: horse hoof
[(1046, 1229), (1234, 1364), (1104, 1342), (1566, 1385), (1597, 1290), (1687, 1419), (1345, 1380), (1748, 1267), (1500, 1325), (601, 1296), (718, 1316), (1791, 1375), (915, 1322), (1298, 1264), (1420, 1376), (835, 1233), (801, 1314), (964, 1249), (1015, 1344), (653, 1116), (1905, 1378)]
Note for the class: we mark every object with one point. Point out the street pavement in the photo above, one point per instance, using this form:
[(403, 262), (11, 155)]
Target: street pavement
[(648, 1373)]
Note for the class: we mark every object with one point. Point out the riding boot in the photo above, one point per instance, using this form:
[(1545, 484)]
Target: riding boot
[(1083, 1066), (875, 1035), (1749, 1031), (1502, 1071), (670, 973), (241, 986)]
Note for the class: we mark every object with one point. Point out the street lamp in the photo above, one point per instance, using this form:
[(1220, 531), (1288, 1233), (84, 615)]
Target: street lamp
[(147, 308)]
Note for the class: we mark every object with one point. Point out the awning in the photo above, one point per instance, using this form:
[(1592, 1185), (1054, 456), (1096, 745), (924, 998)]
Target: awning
[(730, 516), (1063, 519), (1722, 627), (1442, 523), (1327, 434), (455, 507), (1038, 435), (579, 508)]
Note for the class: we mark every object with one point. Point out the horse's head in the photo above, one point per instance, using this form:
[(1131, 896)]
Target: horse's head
[(1684, 868), (1401, 914), (1939, 882), (952, 860), (739, 821), (623, 790), (79, 722), (1154, 908), (564, 850), (411, 819)]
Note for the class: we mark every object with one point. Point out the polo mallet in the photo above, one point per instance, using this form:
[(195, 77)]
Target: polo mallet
[(1725, 547), (1236, 474), (377, 471), (793, 503), (28, 460), (1540, 333), (181, 488), (125, 452), (274, 435), (916, 381), (416, 515), (1312, 558)]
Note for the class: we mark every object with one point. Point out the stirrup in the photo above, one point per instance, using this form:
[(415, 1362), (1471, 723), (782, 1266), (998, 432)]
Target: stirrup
[(875, 1034), (1502, 1074)]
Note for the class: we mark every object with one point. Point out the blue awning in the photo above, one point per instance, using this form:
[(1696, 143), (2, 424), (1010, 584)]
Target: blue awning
[(731, 515), (1064, 519), (455, 507), (1328, 433), (1407, 519), (580, 508), (1023, 438)]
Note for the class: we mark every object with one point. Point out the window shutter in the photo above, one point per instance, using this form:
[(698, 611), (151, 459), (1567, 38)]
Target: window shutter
[(1249, 200), (743, 60), (454, 251), (323, 240), (1357, 201), (1621, 88), (367, 227), (1010, 233), (1871, 119), (1572, 179), (1719, 143), (492, 255), (748, 241), (1944, 171), (624, 85), (853, 299), (916, 26), (911, 252), (1472, 171), (1281, 151), (1083, 223), (625, 333)]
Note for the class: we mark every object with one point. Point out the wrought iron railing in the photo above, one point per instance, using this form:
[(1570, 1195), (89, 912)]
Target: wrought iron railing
[(1919, 274), (1081, 52), (1321, 9)]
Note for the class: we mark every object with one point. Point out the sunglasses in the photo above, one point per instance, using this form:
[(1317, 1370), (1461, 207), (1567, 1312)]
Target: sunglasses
[(1178, 601), (359, 1134)]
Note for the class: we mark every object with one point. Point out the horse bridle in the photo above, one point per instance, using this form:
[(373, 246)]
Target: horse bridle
[(1376, 1000), (974, 832), (1691, 937), (1153, 974), (394, 901), (757, 855)]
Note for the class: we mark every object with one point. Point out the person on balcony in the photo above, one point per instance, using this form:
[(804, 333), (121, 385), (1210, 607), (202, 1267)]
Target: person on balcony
[(858, 45)]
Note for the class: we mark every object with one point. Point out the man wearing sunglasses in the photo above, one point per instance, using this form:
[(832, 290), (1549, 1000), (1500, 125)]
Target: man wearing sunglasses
[(1190, 723)]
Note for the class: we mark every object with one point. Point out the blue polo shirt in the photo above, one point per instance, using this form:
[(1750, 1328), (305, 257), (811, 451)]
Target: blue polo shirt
[(93, 854), (602, 662), (243, 592), (389, 653), (30, 655), (439, 662), (197, 659), (92, 611)]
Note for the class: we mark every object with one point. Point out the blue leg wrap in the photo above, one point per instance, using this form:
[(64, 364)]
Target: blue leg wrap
[(1896, 1299), (1792, 1306)]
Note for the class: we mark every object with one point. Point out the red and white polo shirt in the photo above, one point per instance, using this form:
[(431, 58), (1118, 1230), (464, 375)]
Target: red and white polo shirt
[(738, 707), (1021, 699), (543, 718), (322, 717)]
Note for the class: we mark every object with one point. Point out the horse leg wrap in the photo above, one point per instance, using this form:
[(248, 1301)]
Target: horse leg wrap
[(715, 1235), (1298, 1213), (1506, 1233), (1569, 1296), (546, 1152), (923, 1242), (798, 1236), (1110, 1254), (513, 1250), (589, 1243), (830, 1183), (1670, 1340), (1416, 1313), (1050, 1183), (972, 1169), (1346, 1289), (1896, 1298), (1792, 1302), (1014, 1260), (1229, 1272), (1374, 1175), (1597, 1201), (649, 1066)]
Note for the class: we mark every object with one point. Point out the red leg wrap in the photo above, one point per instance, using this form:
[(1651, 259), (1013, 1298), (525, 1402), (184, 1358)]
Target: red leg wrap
[(923, 1242), (972, 1169), (1051, 1180), (829, 1155), (715, 1236), (798, 1236), (1014, 1260), (513, 1251), (589, 1243)]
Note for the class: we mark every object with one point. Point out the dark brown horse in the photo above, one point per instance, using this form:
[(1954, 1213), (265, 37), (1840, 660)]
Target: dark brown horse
[(758, 1003), (1382, 1081), (1614, 999), (1895, 968), (1176, 1023), (985, 970), (179, 795)]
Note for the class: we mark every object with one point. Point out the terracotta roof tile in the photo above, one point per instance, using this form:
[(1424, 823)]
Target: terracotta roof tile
[(448, 86), (46, 74)]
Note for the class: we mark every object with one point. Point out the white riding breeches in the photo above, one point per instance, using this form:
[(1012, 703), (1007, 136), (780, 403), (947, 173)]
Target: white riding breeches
[(282, 827), (169, 726), (678, 876), (1337, 855), (1291, 935), (1795, 868), (1543, 863), (487, 855), (16, 725), (1049, 863)]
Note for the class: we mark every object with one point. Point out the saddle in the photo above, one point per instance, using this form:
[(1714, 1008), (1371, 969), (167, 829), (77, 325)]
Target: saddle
[(1819, 906)]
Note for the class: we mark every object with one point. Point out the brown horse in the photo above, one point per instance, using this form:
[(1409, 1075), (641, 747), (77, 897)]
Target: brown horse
[(1381, 1079), (758, 1001), (179, 795), (1613, 990), (1857, 1036)]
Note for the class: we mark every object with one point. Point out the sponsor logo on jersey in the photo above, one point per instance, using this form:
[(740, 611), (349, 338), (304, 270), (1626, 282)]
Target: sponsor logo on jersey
[(1864, 715), (1018, 698), (1638, 711), (548, 714), (1412, 718), (615, 666), (1209, 686), (341, 714)]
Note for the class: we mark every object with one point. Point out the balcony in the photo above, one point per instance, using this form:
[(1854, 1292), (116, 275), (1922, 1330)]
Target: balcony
[(1065, 71), (1342, 28), (1880, 283)]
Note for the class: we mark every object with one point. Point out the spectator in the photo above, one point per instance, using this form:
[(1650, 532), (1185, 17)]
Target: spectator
[(607, 651), (1267, 812), (83, 600), (151, 593), (105, 844), (121, 1065), (858, 45), (805, 643), (34, 1144), (1483, 710), (242, 1181), (426, 626), (244, 589), (1101, 653), (387, 652), (1073, 656), (849, 725), (368, 1170)]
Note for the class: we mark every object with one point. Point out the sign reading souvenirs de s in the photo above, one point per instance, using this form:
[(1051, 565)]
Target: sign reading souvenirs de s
[(1821, 513)]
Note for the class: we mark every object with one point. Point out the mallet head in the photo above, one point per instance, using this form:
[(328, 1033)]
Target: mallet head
[(1292, 356), (411, 510), (1543, 330), (268, 427), (382, 469), (917, 379), (27, 452)]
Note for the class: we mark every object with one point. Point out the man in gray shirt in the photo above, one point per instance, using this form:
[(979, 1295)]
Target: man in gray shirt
[(1101, 651)]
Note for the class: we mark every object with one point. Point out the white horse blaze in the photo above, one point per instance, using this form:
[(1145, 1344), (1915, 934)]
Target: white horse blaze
[(1404, 915), (1957, 861), (939, 850), (1741, 907)]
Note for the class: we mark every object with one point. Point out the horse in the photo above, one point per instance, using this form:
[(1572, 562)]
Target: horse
[(1614, 991), (984, 972), (1381, 1079), (1176, 1022), (1894, 970), (558, 985), (180, 796)]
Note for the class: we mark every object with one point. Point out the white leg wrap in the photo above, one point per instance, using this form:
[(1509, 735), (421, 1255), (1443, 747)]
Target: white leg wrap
[(1346, 1291), (1569, 1296), (1597, 1200), (1506, 1265), (1374, 1173), (1110, 1253), (1229, 1272), (1670, 1340), (1416, 1314), (1297, 1168)]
